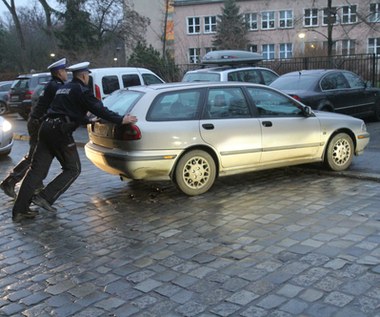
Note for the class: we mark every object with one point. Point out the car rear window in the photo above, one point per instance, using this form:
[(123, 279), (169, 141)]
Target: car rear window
[(294, 83), (122, 101), (22, 83), (190, 77)]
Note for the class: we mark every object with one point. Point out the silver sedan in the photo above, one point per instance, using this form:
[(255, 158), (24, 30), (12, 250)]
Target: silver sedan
[(191, 133)]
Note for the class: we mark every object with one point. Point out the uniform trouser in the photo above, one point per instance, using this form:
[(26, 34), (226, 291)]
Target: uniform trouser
[(19, 171), (55, 141)]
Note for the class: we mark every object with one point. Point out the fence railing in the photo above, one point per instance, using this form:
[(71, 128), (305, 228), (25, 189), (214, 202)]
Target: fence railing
[(365, 65)]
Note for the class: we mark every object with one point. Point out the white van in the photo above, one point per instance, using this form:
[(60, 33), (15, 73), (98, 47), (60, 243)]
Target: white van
[(106, 80)]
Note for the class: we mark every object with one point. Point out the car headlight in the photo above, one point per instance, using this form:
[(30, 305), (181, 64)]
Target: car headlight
[(7, 126)]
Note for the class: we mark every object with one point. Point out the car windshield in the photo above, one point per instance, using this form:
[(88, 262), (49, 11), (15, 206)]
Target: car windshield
[(122, 101), (294, 83), (206, 76)]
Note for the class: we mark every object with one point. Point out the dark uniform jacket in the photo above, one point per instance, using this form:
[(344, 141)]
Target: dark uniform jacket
[(74, 99), (45, 99)]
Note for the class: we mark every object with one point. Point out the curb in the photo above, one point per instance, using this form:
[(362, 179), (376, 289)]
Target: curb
[(349, 174)]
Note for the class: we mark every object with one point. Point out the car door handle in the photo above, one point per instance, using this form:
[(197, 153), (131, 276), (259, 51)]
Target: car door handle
[(267, 123), (208, 126)]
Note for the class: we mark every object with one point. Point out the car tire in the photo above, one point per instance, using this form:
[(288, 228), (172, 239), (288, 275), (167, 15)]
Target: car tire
[(195, 173), (3, 108), (339, 152)]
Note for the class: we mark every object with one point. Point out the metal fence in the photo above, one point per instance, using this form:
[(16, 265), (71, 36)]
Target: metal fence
[(365, 65)]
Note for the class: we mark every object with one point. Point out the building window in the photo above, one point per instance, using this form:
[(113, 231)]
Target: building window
[(286, 50), (193, 25), (333, 47), (374, 46), (310, 17), (329, 13), (194, 55), (252, 48), (267, 20), (268, 51), (348, 47), (349, 14), (286, 19), (210, 24), (374, 9), (251, 20)]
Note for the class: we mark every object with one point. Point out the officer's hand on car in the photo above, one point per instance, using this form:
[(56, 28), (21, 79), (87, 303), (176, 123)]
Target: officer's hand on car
[(129, 119)]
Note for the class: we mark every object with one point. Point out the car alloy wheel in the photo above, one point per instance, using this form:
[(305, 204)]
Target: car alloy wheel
[(195, 172), (340, 151)]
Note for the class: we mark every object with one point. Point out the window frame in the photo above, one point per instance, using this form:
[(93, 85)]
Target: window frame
[(195, 57), (348, 46), (349, 14), (286, 19), (375, 47), (374, 16), (211, 24), (193, 25), (267, 52), (251, 21), (313, 15), (268, 18), (285, 50)]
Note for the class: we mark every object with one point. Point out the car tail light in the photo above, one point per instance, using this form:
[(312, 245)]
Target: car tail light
[(28, 94), (130, 132), (97, 92), (296, 97)]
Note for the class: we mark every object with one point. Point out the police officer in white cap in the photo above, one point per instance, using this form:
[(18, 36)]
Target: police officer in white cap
[(59, 76), (68, 110)]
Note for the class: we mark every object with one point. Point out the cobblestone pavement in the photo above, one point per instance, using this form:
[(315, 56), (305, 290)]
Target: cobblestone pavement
[(279, 243)]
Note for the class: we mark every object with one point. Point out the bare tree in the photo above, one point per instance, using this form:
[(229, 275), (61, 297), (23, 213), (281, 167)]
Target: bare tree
[(12, 9)]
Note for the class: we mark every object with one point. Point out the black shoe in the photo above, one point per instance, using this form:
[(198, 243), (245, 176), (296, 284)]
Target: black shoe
[(42, 202), (29, 214), (8, 189)]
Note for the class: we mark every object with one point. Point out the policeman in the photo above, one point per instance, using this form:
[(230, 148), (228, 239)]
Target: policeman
[(59, 76), (68, 110)]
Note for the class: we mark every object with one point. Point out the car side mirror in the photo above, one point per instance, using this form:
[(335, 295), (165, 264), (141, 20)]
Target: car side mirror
[(368, 84), (307, 111)]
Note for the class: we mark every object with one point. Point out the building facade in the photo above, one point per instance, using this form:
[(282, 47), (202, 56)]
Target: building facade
[(160, 32), (281, 28)]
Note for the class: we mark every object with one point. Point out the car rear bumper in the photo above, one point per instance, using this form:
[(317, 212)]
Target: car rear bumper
[(148, 165), (20, 107)]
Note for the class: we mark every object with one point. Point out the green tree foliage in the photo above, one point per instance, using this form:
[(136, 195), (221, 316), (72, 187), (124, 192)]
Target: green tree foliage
[(77, 31), (148, 57), (231, 29)]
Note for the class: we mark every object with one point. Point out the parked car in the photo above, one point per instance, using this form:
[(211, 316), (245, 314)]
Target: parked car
[(20, 96), (104, 81), (4, 89), (193, 132), (332, 90), (231, 66), (6, 136), (37, 92)]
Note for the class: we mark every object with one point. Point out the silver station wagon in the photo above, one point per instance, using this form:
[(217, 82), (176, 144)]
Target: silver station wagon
[(191, 133)]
